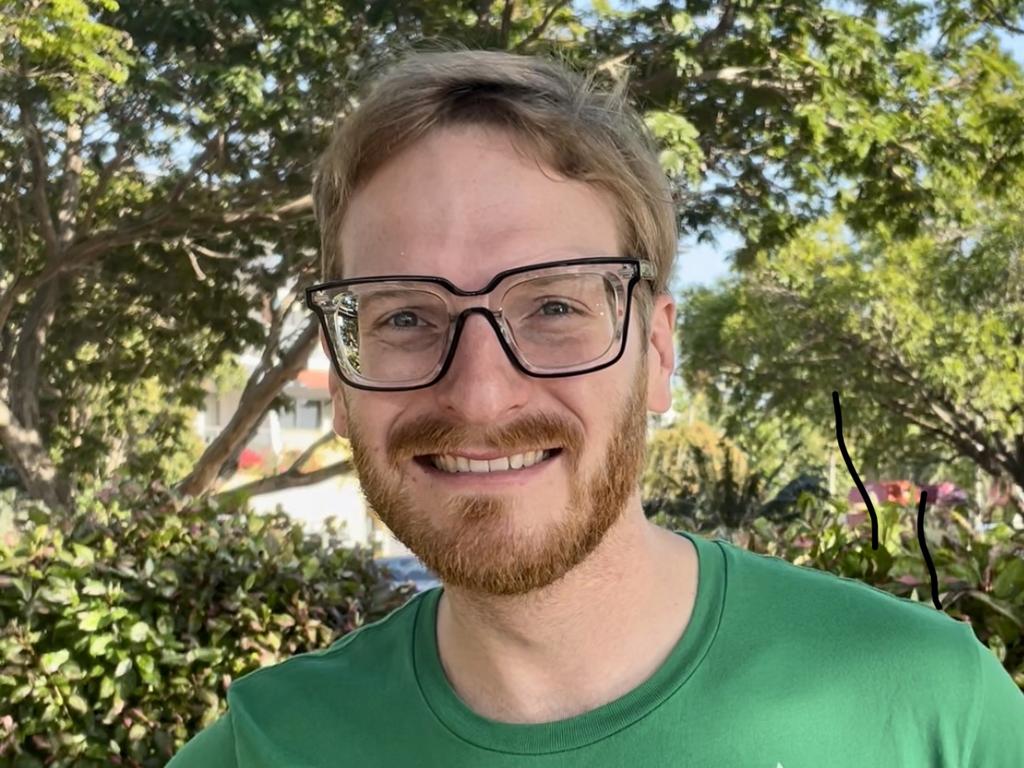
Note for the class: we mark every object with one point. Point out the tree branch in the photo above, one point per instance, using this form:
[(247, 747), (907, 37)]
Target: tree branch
[(287, 480), (271, 346), (483, 13), (307, 454), (723, 27), (214, 147), (742, 77), (165, 226), (506, 23), (537, 31), (103, 182), (251, 409), (1001, 18), (67, 210), (40, 176)]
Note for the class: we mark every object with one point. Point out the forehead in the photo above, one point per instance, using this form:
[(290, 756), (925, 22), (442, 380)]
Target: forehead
[(463, 204)]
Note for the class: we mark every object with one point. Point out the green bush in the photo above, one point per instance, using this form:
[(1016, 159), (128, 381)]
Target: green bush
[(122, 626)]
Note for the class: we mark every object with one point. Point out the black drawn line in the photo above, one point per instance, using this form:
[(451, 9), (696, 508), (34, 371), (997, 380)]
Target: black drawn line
[(849, 465), (933, 576)]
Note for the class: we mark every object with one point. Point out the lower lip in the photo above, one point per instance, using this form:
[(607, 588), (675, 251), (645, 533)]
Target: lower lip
[(502, 478)]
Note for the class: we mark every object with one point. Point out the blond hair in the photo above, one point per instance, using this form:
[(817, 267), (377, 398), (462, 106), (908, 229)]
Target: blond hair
[(552, 113)]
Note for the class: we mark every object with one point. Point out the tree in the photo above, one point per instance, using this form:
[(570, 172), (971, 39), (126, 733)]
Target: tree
[(163, 205), (921, 338), (156, 159)]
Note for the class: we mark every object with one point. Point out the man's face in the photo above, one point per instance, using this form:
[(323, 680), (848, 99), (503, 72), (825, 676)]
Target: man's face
[(463, 205)]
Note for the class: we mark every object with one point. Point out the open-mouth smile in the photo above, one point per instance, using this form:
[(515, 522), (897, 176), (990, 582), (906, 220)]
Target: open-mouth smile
[(516, 468)]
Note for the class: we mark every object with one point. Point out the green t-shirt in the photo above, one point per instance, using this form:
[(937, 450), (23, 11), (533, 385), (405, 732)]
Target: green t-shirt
[(781, 666)]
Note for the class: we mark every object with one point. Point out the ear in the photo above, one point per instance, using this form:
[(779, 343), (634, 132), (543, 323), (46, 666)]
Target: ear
[(334, 386), (661, 354)]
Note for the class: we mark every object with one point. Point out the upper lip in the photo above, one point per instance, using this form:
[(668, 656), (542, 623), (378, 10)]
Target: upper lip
[(487, 455)]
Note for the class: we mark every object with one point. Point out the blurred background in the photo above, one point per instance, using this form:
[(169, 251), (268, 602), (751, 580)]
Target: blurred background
[(175, 510)]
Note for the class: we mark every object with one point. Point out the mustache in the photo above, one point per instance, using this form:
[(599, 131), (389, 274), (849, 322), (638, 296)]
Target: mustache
[(428, 434)]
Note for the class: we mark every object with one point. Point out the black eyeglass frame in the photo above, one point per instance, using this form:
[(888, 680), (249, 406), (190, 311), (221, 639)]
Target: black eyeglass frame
[(642, 270)]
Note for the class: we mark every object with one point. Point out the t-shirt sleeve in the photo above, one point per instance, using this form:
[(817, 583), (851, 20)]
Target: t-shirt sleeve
[(213, 747), (999, 716)]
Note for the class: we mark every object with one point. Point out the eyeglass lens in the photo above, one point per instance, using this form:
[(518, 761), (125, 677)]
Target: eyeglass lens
[(400, 332)]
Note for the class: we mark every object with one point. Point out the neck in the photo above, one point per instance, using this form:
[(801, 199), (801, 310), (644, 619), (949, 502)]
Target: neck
[(531, 658)]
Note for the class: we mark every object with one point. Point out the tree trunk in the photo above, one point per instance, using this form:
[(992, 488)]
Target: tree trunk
[(37, 473), (254, 405)]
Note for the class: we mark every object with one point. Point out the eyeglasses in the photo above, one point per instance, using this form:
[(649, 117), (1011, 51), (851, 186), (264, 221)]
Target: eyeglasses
[(560, 318)]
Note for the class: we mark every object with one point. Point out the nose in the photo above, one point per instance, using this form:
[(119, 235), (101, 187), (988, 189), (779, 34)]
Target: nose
[(482, 386)]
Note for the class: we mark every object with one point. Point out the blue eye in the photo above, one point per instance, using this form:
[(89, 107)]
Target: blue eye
[(566, 311), (403, 314)]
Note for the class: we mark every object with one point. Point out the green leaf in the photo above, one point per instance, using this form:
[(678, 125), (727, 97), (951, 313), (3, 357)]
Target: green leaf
[(107, 687), (83, 555), (146, 668), (682, 23), (1010, 581), (90, 620), (205, 654), (21, 692), (78, 704), (94, 588), (139, 632), (98, 644), (997, 605), (53, 661)]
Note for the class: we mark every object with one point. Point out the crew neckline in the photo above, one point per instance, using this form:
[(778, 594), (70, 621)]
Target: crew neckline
[(589, 727)]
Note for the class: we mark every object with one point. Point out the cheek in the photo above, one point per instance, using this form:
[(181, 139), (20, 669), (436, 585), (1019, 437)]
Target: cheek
[(368, 419), (340, 420)]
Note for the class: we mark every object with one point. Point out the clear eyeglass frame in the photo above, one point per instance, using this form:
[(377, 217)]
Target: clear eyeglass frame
[(329, 298)]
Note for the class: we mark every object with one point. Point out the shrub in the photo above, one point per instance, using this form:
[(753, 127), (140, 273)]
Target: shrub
[(122, 626)]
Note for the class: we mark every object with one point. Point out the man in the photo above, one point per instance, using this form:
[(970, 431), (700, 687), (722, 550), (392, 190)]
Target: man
[(497, 242)]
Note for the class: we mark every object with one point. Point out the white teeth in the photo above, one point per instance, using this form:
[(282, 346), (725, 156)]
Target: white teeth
[(498, 465), (448, 463)]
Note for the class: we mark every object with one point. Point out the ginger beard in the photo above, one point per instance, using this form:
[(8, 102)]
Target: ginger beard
[(472, 540)]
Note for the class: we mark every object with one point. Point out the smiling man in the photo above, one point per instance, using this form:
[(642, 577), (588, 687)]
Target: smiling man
[(497, 241)]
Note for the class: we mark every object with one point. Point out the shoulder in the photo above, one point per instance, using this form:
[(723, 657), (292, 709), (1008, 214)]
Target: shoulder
[(854, 649), (354, 660), (997, 715), (845, 618), (290, 702), (213, 747)]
